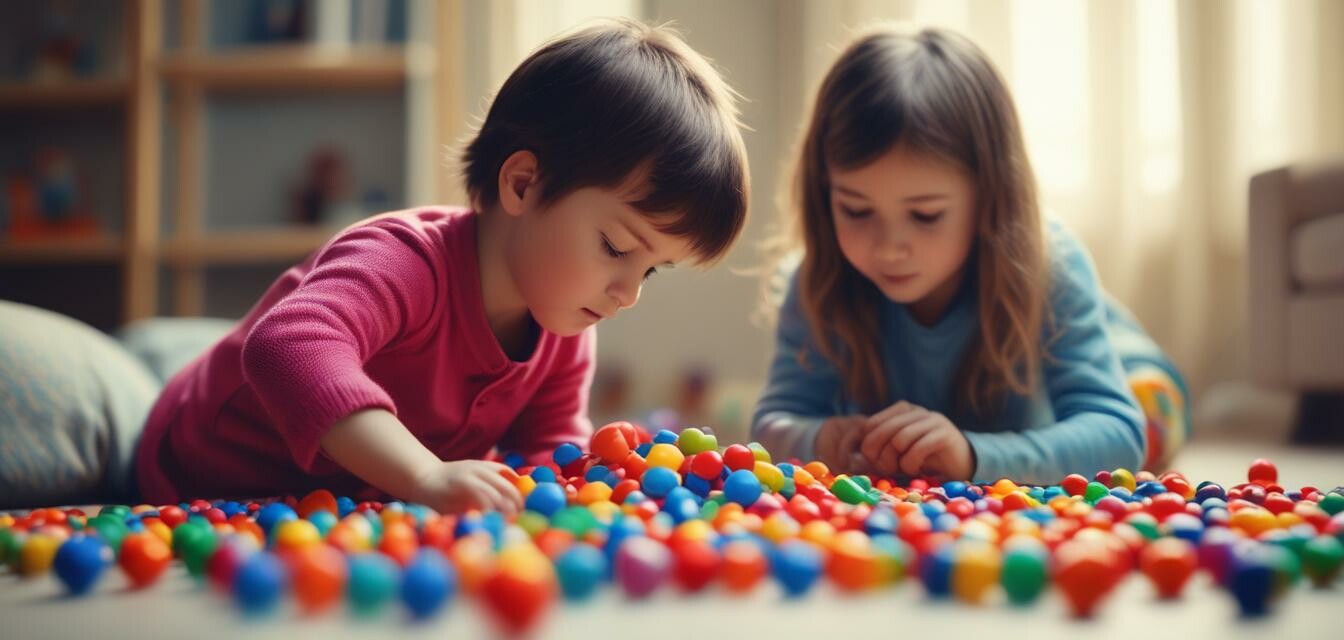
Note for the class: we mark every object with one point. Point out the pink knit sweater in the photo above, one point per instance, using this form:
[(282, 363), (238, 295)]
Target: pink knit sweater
[(388, 314)]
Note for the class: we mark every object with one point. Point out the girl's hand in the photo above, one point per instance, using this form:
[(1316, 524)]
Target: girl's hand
[(911, 440), (454, 487), (837, 444)]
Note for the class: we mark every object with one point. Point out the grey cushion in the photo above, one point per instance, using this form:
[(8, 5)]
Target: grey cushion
[(72, 404), (166, 345)]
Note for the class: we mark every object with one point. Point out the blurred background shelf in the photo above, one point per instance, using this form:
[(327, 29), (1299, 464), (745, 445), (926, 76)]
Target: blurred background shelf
[(212, 143), (63, 94), (102, 248)]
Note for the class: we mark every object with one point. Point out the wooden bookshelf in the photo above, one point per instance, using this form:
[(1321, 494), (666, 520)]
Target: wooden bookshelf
[(68, 94), (427, 65)]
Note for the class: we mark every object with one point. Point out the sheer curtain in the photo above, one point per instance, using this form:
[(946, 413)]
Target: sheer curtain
[(1144, 121)]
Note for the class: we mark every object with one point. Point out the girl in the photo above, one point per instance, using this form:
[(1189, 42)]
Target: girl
[(933, 326), (413, 343)]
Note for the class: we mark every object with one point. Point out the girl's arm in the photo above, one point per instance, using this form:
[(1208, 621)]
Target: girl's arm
[(374, 445), (371, 286), (1098, 424), (798, 398)]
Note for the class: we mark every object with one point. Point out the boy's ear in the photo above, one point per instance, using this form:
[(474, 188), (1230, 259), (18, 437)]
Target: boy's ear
[(517, 176)]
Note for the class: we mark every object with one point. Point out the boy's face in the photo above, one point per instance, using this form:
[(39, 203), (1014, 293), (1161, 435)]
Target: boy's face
[(585, 256), (907, 223)]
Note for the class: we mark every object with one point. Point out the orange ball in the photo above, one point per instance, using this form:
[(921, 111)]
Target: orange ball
[(320, 500), (319, 577), (143, 557)]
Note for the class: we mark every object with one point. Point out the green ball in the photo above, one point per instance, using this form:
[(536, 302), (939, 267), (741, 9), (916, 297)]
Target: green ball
[(1095, 491), (111, 528), (11, 542), (1322, 558), (849, 491), (115, 510), (577, 520), (1332, 503), (193, 543), (1023, 575)]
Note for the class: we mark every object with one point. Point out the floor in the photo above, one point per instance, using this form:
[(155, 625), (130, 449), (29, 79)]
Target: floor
[(176, 606)]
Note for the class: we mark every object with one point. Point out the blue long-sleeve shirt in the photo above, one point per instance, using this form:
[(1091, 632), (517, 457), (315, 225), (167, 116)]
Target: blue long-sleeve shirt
[(1081, 418)]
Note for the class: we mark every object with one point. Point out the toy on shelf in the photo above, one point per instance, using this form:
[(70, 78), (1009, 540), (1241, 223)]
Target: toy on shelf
[(49, 203)]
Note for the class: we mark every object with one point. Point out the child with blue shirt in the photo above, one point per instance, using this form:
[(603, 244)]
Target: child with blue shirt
[(936, 325)]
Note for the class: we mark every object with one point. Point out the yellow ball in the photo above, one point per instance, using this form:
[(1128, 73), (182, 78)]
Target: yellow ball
[(1002, 488), (975, 571), (759, 451), (779, 527), (1253, 521), (159, 529), (525, 485), (818, 532), (665, 455), (596, 491), (37, 553), (296, 534), (769, 475), (1123, 478), (697, 530)]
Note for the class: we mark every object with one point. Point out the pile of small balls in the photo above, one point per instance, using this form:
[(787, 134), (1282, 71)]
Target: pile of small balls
[(647, 510)]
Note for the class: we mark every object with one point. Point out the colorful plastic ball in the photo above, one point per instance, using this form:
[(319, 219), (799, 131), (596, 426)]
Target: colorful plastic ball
[(259, 583), (796, 565), (37, 554), (1168, 563), (738, 457), (566, 454), (1251, 580), (1263, 472), (193, 543), (935, 571), (428, 582), (319, 500), (1024, 575), (546, 499), (319, 576), (614, 441), (80, 562), (657, 482), (744, 565), (521, 590), (695, 563), (373, 580), (693, 441), (1322, 557), (143, 557), (742, 487), (1086, 572), (665, 455), (641, 566), (975, 570), (581, 570), (273, 514)]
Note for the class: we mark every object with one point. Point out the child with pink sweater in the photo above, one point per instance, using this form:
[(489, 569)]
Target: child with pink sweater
[(400, 354)]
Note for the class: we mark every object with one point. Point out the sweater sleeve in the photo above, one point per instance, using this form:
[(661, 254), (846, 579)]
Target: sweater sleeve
[(305, 356), (558, 412), (798, 396), (1098, 424)]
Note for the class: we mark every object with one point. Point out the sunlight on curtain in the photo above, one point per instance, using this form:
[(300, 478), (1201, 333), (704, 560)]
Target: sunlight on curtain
[(1051, 89)]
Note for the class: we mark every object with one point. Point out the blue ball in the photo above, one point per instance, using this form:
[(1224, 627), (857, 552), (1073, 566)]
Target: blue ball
[(428, 582), (1251, 580), (742, 487), (697, 485), (881, 521), (259, 582), (80, 561), (566, 453), (581, 571), (658, 481), (599, 473), (797, 565), (956, 489), (324, 520), (513, 459), (372, 581), (546, 499), (345, 505), (664, 436), (543, 474), (643, 449), (681, 509), (935, 572), (274, 514)]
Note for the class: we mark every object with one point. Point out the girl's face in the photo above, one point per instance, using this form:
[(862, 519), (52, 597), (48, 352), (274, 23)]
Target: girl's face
[(585, 257), (906, 221)]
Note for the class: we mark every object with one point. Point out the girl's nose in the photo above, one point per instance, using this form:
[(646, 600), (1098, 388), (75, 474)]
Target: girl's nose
[(625, 291), (890, 245)]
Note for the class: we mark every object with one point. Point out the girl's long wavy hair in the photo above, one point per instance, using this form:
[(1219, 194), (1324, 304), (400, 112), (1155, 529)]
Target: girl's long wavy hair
[(933, 92)]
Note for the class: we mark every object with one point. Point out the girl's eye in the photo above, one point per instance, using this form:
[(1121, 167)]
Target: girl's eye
[(927, 218), (650, 273), (857, 214), (611, 249)]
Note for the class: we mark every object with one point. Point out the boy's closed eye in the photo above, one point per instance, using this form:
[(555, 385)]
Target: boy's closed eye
[(618, 254)]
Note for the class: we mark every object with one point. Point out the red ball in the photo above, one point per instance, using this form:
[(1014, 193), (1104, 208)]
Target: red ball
[(694, 564), (739, 457), (707, 464), (143, 557), (1074, 484), (1263, 472), (172, 515), (1168, 563), (613, 443)]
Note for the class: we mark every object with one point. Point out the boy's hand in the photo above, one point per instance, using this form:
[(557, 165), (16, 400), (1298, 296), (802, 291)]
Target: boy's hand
[(454, 487), (837, 444), (911, 440)]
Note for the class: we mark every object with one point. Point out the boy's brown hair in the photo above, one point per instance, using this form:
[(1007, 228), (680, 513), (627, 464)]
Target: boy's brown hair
[(598, 104)]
